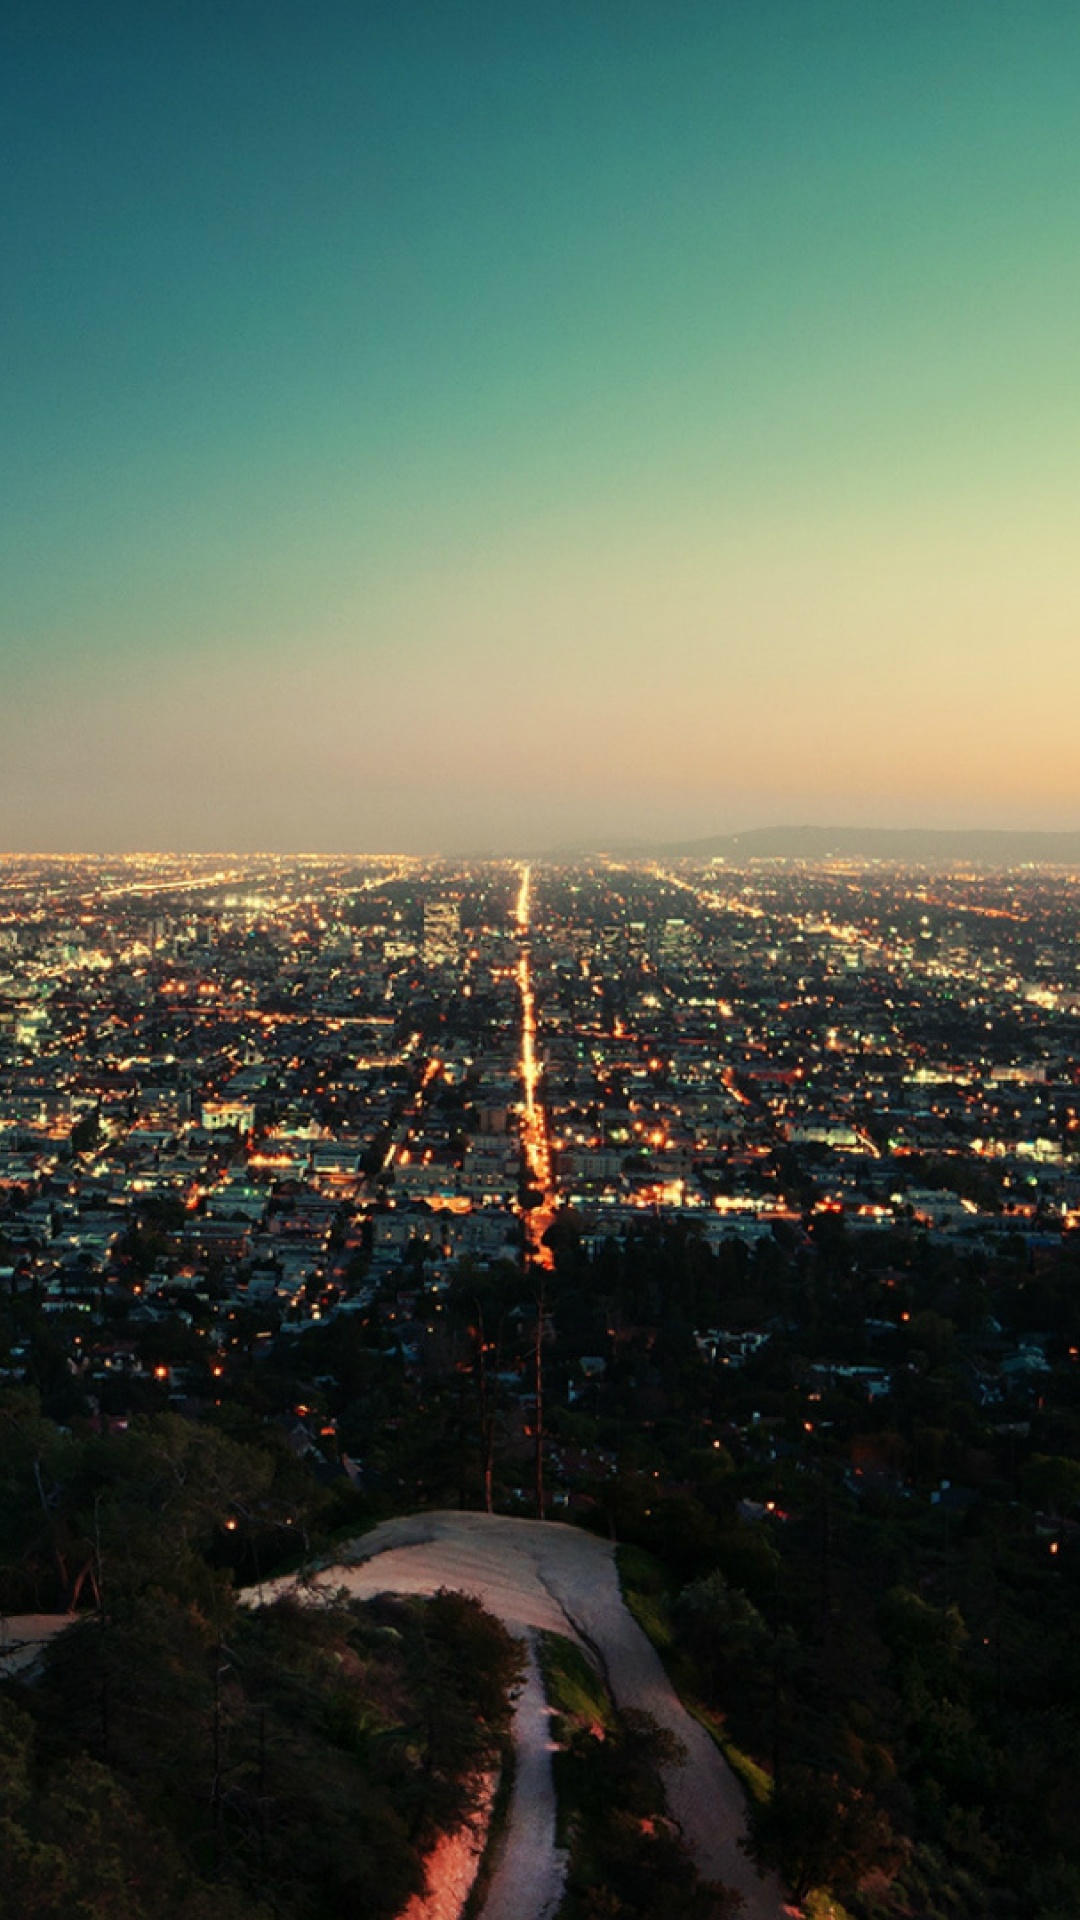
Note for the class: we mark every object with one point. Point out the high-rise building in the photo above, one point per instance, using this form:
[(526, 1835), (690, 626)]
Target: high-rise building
[(677, 944), (442, 933)]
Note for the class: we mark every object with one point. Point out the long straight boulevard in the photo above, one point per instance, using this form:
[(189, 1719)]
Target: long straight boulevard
[(535, 1142)]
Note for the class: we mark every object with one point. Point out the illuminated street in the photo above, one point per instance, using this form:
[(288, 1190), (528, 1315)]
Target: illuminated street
[(534, 1129)]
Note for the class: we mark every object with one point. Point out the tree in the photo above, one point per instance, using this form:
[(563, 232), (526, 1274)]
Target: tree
[(720, 1624), (818, 1832)]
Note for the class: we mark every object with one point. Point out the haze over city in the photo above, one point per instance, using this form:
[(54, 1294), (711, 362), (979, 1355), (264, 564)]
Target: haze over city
[(476, 427)]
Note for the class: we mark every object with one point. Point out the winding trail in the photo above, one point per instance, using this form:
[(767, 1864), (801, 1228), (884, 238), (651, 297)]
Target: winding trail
[(543, 1575)]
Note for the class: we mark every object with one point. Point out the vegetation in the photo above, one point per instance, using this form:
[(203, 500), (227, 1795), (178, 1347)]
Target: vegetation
[(875, 1610), (872, 1598), (626, 1857), (182, 1754)]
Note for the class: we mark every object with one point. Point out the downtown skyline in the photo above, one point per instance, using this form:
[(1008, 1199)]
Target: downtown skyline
[(436, 430)]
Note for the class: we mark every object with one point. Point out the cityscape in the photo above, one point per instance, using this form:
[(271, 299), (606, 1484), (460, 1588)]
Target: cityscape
[(449, 1057), (539, 961), (729, 1212)]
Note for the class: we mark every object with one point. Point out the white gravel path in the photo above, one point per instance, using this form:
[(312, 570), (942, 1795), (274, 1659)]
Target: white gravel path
[(535, 1574)]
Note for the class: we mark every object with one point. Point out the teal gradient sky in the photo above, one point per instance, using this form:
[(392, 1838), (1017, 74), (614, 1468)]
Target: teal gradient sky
[(444, 425)]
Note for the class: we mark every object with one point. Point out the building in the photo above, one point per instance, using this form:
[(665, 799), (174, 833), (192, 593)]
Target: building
[(442, 933)]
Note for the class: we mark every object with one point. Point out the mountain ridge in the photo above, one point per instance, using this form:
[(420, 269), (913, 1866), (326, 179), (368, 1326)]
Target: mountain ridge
[(1003, 847)]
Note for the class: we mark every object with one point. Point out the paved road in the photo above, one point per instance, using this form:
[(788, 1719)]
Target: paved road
[(542, 1574)]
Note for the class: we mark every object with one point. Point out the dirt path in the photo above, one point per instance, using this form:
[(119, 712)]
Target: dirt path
[(530, 1871), (24, 1637), (542, 1574)]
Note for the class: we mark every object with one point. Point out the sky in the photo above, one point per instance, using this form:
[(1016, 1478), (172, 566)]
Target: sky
[(484, 425)]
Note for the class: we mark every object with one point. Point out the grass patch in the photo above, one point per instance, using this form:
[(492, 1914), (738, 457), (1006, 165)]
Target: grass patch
[(580, 1702), (644, 1586), (572, 1685), (757, 1781)]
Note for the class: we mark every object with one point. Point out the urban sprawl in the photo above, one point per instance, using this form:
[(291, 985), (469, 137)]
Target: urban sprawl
[(245, 1098)]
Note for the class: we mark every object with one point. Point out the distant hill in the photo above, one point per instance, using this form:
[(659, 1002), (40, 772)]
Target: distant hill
[(916, 845)]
